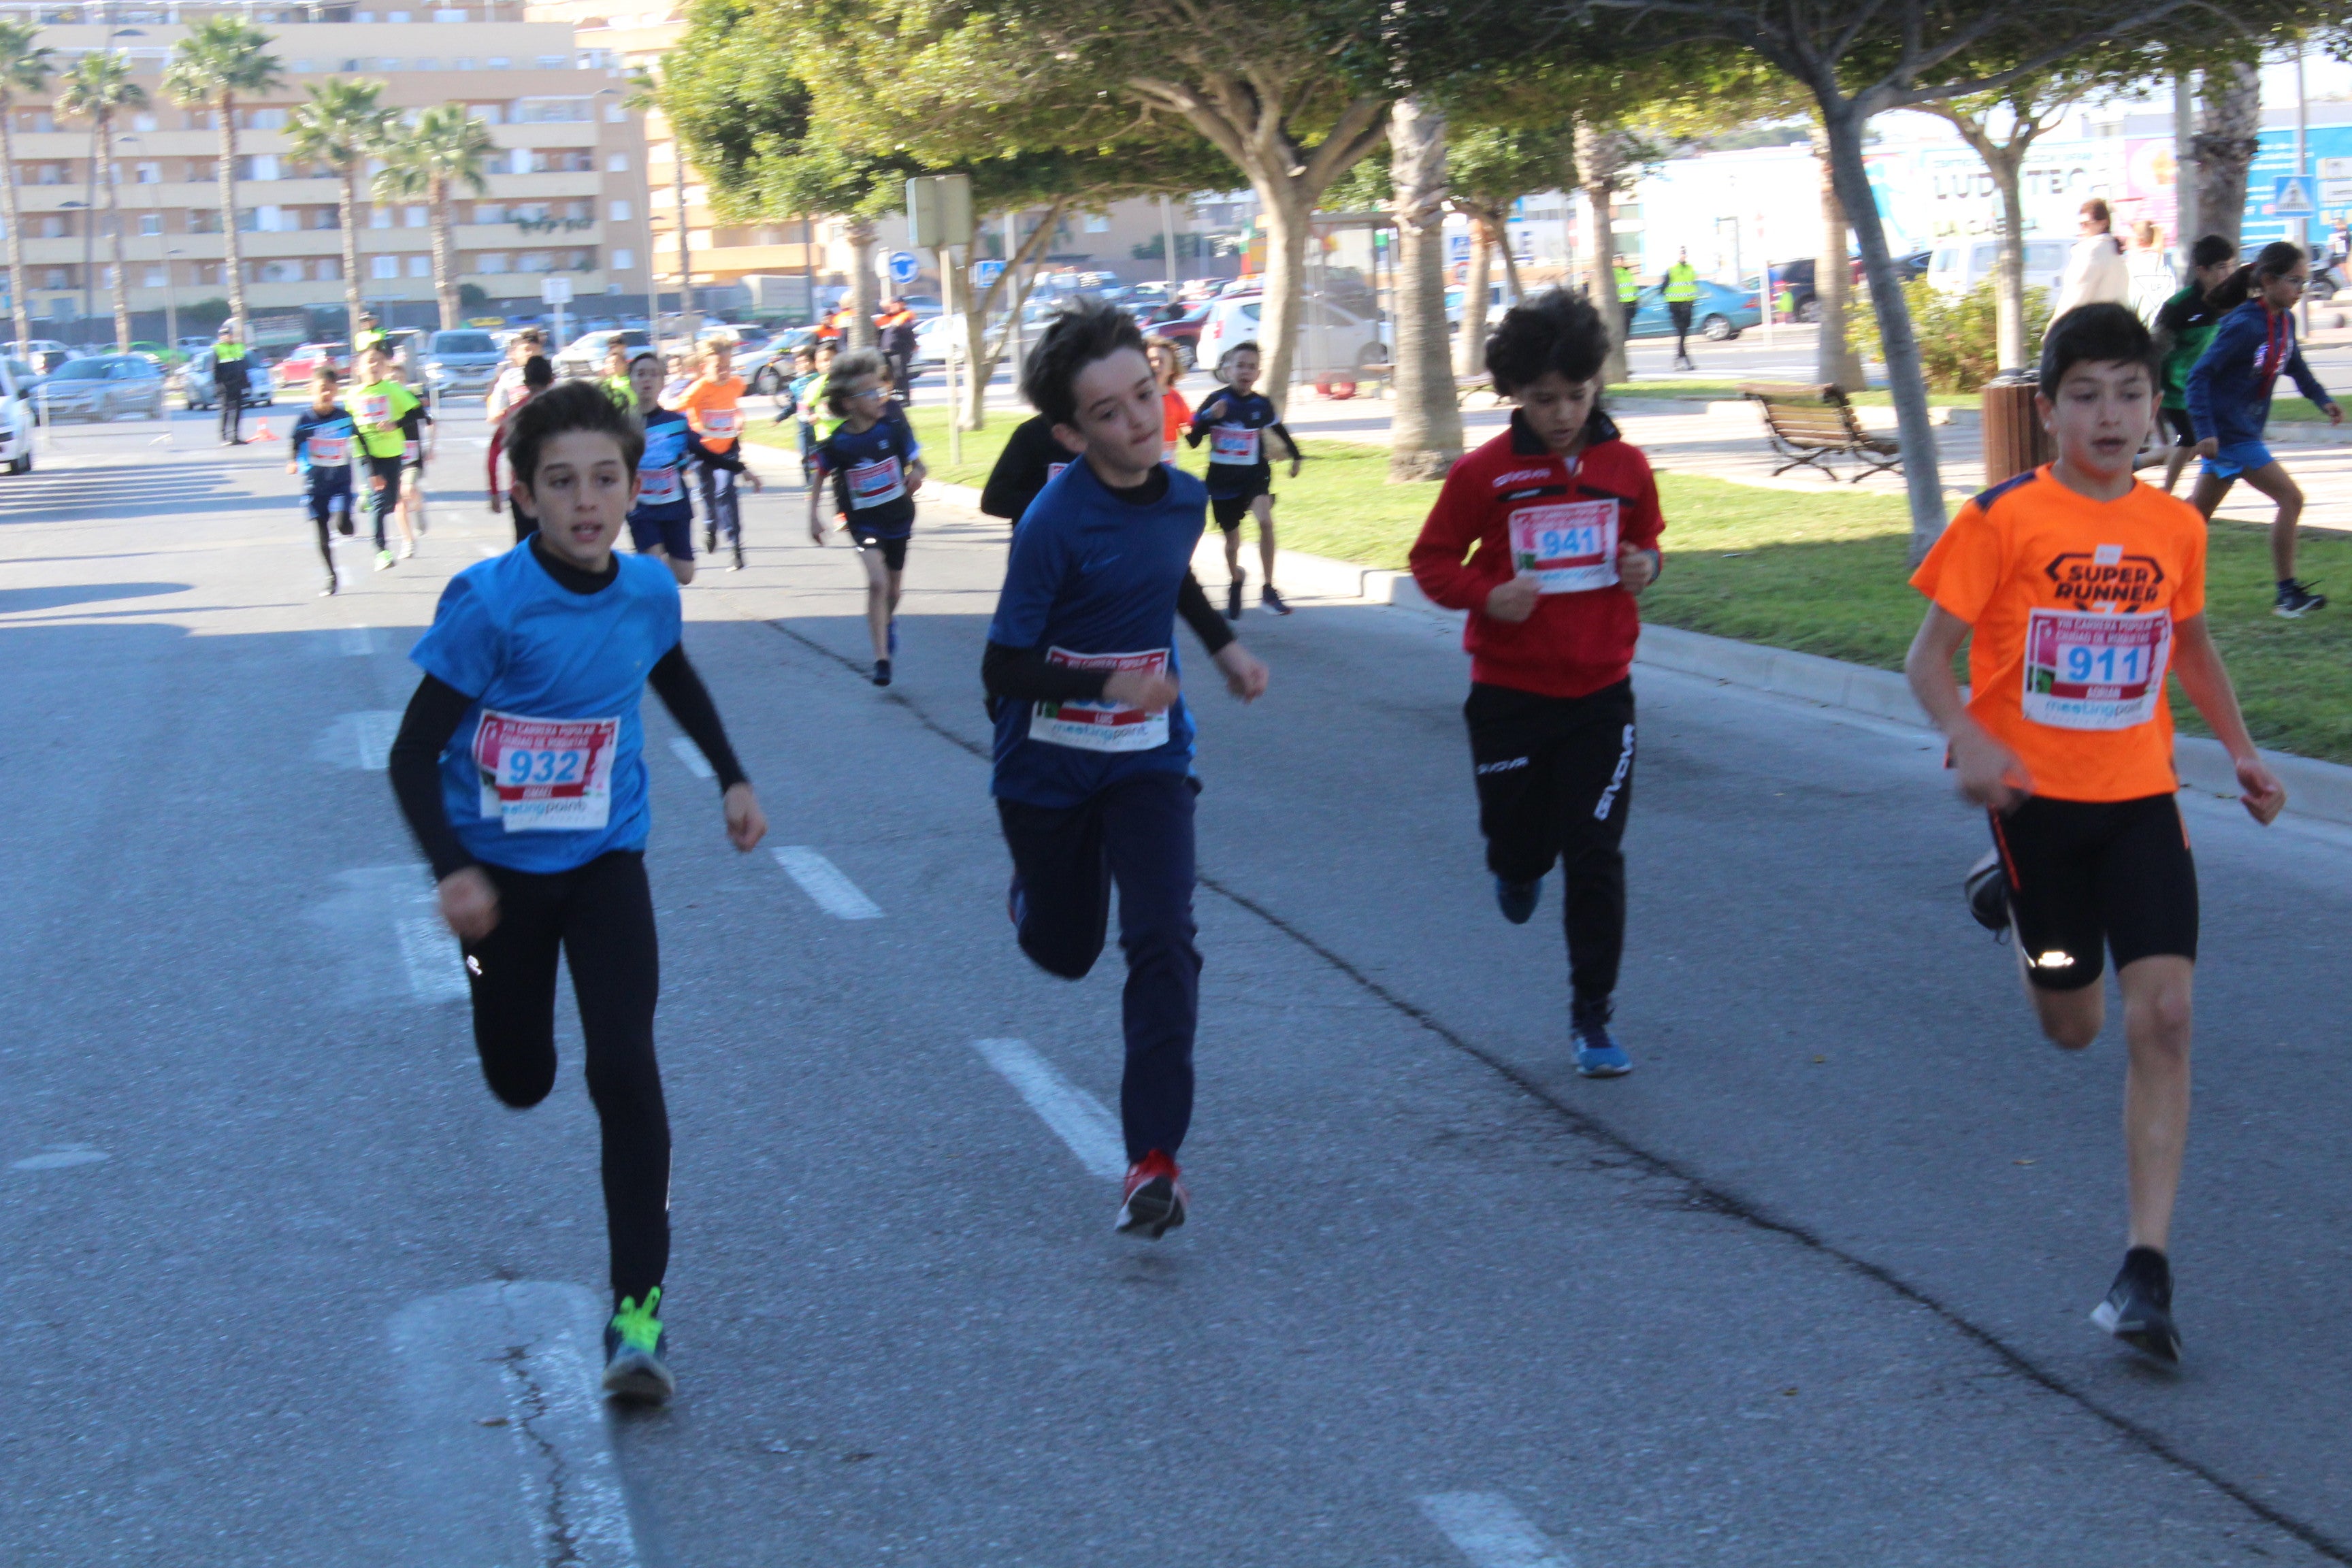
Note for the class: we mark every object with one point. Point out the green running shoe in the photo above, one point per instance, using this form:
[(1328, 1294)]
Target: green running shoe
[(633, 1370)]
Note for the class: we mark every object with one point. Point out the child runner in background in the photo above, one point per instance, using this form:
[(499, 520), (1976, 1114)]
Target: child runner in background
[(617, 382), (2230, 402), (876, 466), (1093, 780), (1559, 517), (515, 385), (1235, 420), (520, 768), (661, 523), (2075, 589), (2183, 327), (321, 454), (1031, 456), (383, 411), (712, 405), (792, 399), (1174, 412), (412, 470), (538, 375)]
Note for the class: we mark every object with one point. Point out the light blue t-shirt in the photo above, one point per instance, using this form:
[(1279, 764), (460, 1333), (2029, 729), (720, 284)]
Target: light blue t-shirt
[(547, 770)]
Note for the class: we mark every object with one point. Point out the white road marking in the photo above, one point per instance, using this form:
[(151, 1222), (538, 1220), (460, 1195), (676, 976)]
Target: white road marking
[(500, 1386), (1076, 1115), (822, 880), (58, 1157), (1491, 1532), (359, 642), (362, 740), (436, 966), (691, 755)]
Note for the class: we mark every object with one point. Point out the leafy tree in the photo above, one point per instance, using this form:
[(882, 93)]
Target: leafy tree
[(97, 88), (2229, 134), (24, 67), (342, 126), (218, 60), (445, 148)]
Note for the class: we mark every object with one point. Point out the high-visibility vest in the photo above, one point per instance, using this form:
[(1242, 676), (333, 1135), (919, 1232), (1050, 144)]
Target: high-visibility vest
[(366, 339), (228, 351), (1682, 283), (1628, 287)]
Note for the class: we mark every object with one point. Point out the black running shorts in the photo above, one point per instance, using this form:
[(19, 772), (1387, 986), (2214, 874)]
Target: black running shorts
[(2084, 875), (2184, 429), (1228, 510), (894, 551)]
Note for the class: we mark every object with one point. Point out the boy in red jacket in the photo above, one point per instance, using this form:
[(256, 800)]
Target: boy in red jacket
[(1559, 517)]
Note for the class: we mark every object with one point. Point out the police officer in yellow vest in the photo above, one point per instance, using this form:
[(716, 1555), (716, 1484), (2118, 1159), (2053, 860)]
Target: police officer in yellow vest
[(1629, 293), (367, 337), (231, 364), (1680, 288)]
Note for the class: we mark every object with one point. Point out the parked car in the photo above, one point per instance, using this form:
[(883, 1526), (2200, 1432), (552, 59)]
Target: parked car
[(1957, 267), (107, 387), (16, 417), (1328, 337), (585, 355), (1183, 334), (461, 362), (1797, 275), (1719, 314), (293, 372)]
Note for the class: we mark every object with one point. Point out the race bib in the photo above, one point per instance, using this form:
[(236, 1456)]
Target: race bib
[(375, 407), (329, 451), (658, 487), (1571, 546), (873, 483), (546, 774), (1053, 471), (1233, 444), (2089, 671), (1101, 726), (721, 421)]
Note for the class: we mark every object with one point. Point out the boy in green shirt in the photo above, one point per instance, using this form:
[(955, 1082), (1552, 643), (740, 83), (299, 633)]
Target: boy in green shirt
[(2183, 327), (385, 413)]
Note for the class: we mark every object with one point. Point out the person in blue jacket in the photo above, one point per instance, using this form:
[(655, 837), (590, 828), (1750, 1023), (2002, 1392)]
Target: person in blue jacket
[(2230, 402)]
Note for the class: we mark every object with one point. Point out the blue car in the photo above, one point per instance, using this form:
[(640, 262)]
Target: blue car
[(1717, 314)]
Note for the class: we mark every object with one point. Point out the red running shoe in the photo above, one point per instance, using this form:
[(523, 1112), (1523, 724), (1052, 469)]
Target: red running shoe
[(1153, 1202)]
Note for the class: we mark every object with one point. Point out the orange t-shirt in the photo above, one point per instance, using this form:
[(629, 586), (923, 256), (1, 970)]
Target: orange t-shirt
[(710, 408), (2073, 603), (1174, 415)]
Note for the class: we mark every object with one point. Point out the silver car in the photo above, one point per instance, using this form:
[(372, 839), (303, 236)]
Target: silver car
[(462, 361), (108, 386)]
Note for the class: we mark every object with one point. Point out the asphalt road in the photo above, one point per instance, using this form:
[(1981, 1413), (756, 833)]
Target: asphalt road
[(285, 1286)]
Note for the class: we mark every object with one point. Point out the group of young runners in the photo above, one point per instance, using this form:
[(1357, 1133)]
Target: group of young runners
[(2074, 589), (367, 437)]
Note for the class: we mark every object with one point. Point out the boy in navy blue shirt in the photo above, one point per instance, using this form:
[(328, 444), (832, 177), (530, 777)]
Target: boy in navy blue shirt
[(876, 466), (520, 768), (662, 522), (1094, 780), (321, 454), (1235, 420)]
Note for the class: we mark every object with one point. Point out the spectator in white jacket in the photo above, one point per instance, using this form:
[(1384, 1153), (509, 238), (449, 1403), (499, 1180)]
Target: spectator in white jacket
[(2096, 273)]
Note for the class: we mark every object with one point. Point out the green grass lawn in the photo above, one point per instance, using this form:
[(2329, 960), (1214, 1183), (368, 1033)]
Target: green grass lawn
[(1821, 572)]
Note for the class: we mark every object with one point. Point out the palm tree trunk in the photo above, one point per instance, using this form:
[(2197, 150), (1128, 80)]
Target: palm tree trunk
[(352, 247), (444, 283), (1597, 156), (8, 211), (1426, 437), (232, 252), (1477, 279), (118, 292)]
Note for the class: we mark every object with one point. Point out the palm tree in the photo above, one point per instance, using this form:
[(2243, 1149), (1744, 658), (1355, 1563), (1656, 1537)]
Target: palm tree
[(97, 88), (447, 147), (342, 126), (216, 61), (23, 69)]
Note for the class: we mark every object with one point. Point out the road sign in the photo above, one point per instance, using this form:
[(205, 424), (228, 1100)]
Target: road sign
[(938, 211), (2292, 196), (555, 291), (901, 266), (984, 273)]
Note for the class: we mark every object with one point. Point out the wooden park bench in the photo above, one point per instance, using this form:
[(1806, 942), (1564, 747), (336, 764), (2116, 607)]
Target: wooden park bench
[(1810, 426)]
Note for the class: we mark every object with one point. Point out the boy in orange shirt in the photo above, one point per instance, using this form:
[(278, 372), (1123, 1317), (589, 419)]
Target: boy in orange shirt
[(2076, 587), (711, 404)]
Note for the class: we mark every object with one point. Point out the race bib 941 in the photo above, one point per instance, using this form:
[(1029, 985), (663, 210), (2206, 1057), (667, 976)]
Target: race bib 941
[(1572, 547), (1102, 726), (546, 774), (2090, 671)]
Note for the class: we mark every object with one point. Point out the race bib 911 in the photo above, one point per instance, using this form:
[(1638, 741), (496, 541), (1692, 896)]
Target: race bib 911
[(1571, 546), (2090, 671), (875, 483), (546, 774), (1101, 726), (1233, 444)]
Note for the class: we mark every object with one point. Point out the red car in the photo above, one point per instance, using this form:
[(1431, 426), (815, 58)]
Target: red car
[(294, 370), (1183, 333)]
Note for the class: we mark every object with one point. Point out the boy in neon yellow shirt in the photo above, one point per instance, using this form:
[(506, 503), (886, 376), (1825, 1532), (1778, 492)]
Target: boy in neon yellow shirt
[(385, 413)]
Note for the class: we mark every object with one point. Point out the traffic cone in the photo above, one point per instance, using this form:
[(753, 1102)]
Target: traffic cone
[(263, 433)]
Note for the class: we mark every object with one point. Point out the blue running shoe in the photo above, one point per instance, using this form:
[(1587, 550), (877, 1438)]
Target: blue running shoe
[(1598, 1054), (1518, 901)]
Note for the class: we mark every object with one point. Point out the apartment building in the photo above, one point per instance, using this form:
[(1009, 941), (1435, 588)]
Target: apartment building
[(567, 190)]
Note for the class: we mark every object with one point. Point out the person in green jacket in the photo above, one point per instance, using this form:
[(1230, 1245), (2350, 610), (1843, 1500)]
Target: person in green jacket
[(231, 365), (1680, 289), (367, 337), (1629, 293), (2183, 327)]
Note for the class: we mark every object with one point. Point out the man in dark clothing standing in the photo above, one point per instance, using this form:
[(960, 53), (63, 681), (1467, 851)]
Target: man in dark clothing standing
[(231, 364)]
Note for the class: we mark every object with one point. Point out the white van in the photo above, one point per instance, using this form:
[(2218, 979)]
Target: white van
[(1956, 267)]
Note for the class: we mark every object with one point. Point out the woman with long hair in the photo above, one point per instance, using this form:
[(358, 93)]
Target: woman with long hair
[(2228, 396)]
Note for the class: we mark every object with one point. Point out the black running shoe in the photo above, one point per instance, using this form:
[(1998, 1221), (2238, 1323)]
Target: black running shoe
[(1987, 886), (329, 591), (1518, 901), (1233, 596), (1273, 601), (881, 672), (2138, 1308), (2297, 600)]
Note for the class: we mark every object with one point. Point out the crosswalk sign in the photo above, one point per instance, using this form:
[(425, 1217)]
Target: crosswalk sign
[(2292, 196)]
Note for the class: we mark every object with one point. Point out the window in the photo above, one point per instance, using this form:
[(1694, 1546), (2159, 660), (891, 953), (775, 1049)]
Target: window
[(148, 174), (616, 114), (415, 217), (259, 166), (384, 266), (463, 63), (489, 212), (616, 163), (623, 259), (558, 161), (151, 223), (144, 123), (379, 217), (278, 272), (395, 17), (619, 212), (535, 261), (203, 220), (49, 174), (427, 64), (1099, 223), (387, 64), (53, 228), (553, 62), (551, 112), (57, 278), (420, 266), (487, 113), (449, 16), (303, 68), (154, 278), (265, 119), (490, 261), (361, 16), (500, 63), (328, 269)]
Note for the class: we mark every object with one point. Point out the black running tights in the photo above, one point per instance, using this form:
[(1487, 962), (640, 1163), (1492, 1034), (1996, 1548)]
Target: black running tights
[(603, 916)]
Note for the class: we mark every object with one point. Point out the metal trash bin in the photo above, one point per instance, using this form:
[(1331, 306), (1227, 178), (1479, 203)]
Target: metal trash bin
[(2014, 440)]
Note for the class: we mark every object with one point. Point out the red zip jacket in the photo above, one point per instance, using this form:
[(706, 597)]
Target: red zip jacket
[(1579, 639)]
